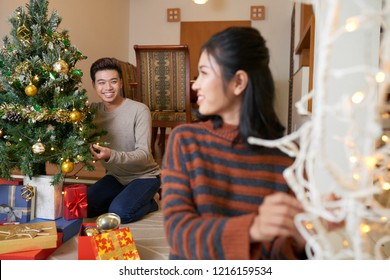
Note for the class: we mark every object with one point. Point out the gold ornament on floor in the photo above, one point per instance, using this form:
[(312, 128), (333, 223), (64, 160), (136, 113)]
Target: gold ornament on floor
[(61, 66), (38, 148), (27, 192), (67, 166), (31, 90), (75, 116)]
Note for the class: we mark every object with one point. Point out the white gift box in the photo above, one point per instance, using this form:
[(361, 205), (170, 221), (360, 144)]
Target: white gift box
[(48, 204)]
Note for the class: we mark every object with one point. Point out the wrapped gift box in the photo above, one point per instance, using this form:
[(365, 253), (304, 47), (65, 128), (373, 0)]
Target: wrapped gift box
[(84, 243), (14, 208), (67, 228), (11, 182), (39, 254), (115, 245), (75, 201), (21, 237), (48, 197)]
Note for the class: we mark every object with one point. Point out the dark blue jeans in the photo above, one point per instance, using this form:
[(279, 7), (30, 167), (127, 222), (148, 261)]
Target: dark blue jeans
[(130, 202)]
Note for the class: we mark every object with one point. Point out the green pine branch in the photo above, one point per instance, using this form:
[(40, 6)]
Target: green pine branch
[(44, 112)]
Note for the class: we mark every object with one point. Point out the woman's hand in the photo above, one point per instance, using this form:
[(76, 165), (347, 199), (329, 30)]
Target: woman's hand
[(99, 152), (276, 218)]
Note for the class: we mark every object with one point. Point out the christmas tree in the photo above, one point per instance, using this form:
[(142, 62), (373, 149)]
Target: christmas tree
[(44, 112)]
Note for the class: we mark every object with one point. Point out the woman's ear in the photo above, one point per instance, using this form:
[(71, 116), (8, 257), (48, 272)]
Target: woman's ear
[(240, 82)]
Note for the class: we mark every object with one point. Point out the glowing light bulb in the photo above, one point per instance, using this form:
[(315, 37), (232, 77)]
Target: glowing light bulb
[(200, 2), (353, 159), (358, 97), (385, 138), (356, 176), (365, 228), (371, 162), (351, 24), (380, 77), (386, 186), (345, 243), (309, 226)]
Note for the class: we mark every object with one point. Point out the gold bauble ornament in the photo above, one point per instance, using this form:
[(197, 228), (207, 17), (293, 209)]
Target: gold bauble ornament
[(61, 66), (31, 90), (75, 115), (38, 148), (67, 166), (27, 192)]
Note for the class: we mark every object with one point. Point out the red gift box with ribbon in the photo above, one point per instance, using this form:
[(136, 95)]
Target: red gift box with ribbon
[(75, 202)]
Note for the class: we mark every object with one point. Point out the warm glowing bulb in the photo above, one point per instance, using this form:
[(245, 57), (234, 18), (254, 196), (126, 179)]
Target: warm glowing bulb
[(371, 162), (380, 77), (365, 228), (385, 115), (356, 176), (385, 138), (386, 186), (200, 1), (309, 226), (345, 243), (353, 159), (351, 24), (358, 97)]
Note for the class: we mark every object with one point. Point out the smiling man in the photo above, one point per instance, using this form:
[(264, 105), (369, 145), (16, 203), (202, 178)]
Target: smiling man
[(132, 175)]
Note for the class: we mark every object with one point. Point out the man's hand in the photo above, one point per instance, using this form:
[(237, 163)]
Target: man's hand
[(99, 152)]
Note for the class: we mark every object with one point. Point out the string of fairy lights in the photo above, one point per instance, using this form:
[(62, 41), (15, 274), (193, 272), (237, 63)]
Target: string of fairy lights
[(347, 220)]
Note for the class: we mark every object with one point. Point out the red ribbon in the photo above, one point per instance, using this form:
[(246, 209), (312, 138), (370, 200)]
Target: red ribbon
[(77, 204)]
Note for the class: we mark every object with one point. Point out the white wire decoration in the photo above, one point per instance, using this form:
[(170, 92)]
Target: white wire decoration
[(343, 217)]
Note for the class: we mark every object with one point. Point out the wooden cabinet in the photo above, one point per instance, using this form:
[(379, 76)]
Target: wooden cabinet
[(301, 60)]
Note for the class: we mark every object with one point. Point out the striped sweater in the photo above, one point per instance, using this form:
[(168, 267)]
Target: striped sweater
[(212, 191)]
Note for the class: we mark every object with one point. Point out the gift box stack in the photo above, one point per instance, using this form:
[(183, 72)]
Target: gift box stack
[(28, 241), (19, 203)]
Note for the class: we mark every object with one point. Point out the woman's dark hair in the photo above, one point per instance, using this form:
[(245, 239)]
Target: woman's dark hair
[(243, 48), (105, 63)]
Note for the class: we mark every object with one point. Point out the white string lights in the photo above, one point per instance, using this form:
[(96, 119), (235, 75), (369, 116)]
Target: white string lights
[(342, 161)]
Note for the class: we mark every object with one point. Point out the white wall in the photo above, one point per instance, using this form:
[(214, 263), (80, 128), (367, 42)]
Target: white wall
[(111, 28), (148, 25), (96, 27)]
